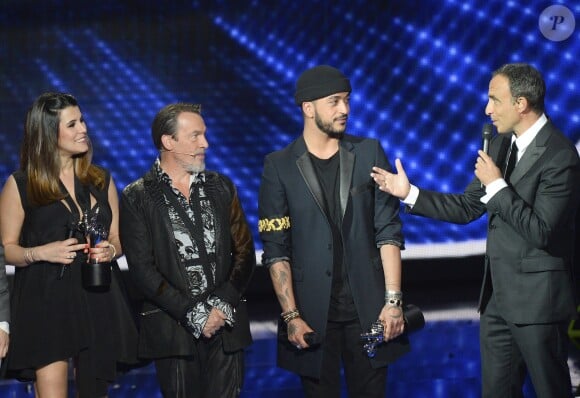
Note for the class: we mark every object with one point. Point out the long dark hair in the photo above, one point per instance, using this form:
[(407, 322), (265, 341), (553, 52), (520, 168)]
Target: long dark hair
[(39, 154)]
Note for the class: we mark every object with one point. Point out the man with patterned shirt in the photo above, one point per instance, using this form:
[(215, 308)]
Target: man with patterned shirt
[(190, 252)]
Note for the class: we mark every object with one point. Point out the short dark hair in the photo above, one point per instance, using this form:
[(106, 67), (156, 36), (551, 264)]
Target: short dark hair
[(165, 122), (525, 81)]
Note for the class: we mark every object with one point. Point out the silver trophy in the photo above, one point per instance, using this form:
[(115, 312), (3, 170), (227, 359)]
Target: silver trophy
[(373, 338), (94, 274), (414, 320)]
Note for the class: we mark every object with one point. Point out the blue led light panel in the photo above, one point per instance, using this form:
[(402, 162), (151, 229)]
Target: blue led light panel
[(419, 71)]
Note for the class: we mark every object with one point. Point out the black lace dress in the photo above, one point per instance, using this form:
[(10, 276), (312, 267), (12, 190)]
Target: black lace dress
[(54, 317)]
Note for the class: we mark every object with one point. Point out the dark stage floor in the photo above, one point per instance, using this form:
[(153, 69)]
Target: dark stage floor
[(443, 363)]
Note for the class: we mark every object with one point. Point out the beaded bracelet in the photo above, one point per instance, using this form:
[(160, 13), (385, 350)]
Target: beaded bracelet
[(290, 315)]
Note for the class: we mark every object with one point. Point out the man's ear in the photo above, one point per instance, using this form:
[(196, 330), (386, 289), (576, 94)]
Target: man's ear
[(308, 109), (167, 142), (522, 104)]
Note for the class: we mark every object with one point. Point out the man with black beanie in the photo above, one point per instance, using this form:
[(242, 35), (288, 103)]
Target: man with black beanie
[(332, 242)]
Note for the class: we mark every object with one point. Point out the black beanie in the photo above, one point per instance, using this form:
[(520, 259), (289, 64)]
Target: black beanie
[(319, 82)]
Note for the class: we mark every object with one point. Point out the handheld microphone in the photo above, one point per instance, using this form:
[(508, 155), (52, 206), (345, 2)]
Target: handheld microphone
[(486, 133), (313, 339)]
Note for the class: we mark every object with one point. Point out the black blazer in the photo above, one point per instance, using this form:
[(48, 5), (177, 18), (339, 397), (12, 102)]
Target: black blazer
[(530, 240), (154, 265), (293, 226)]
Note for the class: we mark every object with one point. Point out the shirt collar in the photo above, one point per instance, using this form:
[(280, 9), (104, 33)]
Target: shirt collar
[(526, 138), (197, 178)]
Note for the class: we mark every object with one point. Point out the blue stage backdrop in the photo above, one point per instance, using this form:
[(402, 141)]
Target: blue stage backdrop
[(419, 71)]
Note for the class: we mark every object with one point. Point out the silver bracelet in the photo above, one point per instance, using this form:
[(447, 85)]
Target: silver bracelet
[(395, 294), (114, 252), (29, 256), (394, 303), (394, 298)]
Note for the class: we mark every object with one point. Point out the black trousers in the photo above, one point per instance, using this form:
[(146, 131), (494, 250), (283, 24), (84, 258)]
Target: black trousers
[(342, 344), (510, 351), (209, 373)]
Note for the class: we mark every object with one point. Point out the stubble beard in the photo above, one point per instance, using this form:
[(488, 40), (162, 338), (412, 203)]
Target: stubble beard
[(328, 129)]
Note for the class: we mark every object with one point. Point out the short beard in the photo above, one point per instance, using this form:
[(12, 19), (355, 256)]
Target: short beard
[(195, 169), (328, 129), (192, 168)]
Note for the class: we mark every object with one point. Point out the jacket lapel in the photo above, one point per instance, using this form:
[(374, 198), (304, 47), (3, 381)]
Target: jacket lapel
[(154, 192), (308, 173), (306, 169), (346, 169), (536, 149)]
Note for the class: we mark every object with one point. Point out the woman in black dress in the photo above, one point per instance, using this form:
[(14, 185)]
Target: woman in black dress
[(46, 208)]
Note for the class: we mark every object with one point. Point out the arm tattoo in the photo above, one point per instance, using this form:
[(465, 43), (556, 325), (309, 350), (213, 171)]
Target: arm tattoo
[(280, 279)]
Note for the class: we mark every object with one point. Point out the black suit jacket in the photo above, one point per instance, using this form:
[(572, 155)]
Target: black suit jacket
[(152, 255), (530, 240), (293, 226)]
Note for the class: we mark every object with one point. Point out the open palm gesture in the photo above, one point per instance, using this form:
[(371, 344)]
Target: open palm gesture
[(395, 184)]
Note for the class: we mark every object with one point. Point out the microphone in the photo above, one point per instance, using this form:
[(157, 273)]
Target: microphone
[(183, 153), (486, 133)]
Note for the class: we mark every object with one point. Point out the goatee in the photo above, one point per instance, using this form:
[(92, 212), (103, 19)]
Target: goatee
[(328, 129)]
